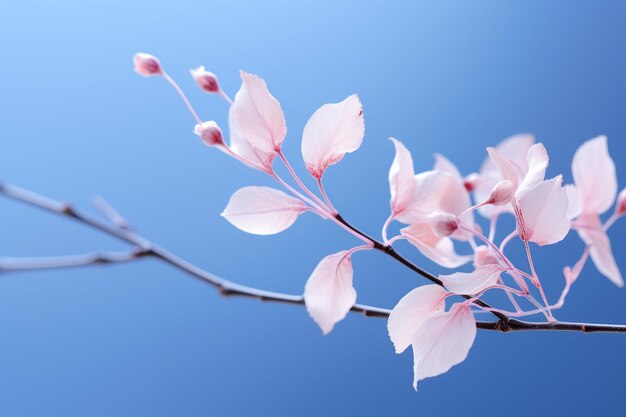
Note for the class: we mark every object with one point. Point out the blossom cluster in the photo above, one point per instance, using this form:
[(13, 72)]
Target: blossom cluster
[(438, 208)]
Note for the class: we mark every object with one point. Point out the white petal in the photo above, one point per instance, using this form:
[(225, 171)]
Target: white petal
[(437, 190), (594, 175), (334, 130), (411, 311), (442, 341), (573, 201), (592, 233), (471, 283), (515, 149), (537, 159), (542, 212), (443, 164), (401, 178), (438, 250), (262, 210), (257, 123), (329, 294)]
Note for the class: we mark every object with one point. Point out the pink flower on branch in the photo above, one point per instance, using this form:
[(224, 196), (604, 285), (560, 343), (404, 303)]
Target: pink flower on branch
[(436, 208)]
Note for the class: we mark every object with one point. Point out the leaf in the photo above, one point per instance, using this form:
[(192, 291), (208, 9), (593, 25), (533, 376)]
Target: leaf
[(437, 249), (537, 158), (410, 313), (257, 123), (329, 294), (515, 149), (592, 233), (262, 210), (471, 283), (334, 130), (594, 176), (442, 341), (542, 213), (401, 179)]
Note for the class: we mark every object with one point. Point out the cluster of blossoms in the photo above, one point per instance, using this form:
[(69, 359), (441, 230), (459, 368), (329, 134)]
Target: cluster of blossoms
[(438, 208)]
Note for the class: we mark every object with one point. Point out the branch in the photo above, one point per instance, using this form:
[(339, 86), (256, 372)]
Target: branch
[(145, 248)]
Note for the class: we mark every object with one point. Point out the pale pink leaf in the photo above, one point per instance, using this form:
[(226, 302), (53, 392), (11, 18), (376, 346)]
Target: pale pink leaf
[(590, 230), (573, 201), (329, 294), (262, 210), (594, 175), (542, 212), (257, 122), (334, 130), (443, 164), (471, 283), (401, 178), (442, 341), (515, 149), (437, 190), (537, 159), (410, 313), (437, 249)]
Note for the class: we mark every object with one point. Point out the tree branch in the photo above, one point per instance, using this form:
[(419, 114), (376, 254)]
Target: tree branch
[(145, 248)]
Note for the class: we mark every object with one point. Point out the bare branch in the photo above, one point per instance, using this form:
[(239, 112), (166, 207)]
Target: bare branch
[(145, 248), (108, 211), (72, 261)]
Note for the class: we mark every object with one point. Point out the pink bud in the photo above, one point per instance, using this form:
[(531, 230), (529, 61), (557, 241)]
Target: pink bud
[(206, 80), (501, 193), (210, 133), (442, 223), (483, 255), (147, 65), (470, 181), (620, 207)]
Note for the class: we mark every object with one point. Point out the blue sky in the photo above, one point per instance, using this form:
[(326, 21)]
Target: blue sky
[(145, 340)]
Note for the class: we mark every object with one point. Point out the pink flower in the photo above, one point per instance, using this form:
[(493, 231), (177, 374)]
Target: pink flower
[(440, 339), (595, 189)]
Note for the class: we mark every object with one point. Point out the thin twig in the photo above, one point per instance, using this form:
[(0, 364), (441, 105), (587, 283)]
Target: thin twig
[(228, 288)]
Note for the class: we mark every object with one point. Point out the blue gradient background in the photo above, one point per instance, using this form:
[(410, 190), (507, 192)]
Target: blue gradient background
[(146, 340)]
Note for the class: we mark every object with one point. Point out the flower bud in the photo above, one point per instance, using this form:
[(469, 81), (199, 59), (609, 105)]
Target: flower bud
[(147, 65), (620, 207), (470, 181), (210, 133), (483, 255), (501, 193), (442, 223), (206, 80)]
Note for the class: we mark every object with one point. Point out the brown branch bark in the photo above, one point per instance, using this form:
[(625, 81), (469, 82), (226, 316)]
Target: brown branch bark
[(144, 248)]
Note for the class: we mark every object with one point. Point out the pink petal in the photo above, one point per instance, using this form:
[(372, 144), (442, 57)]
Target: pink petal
[(537, 158), (542, 212), (329, 294), (257, 123), (410, 313), (438, 250), (594, 175), (443, 164), (592, 233), (573, 201), (515, 149), (262, 210), (334, 130), (471, 283), (437, 190), (442, 341), (401, 178)]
